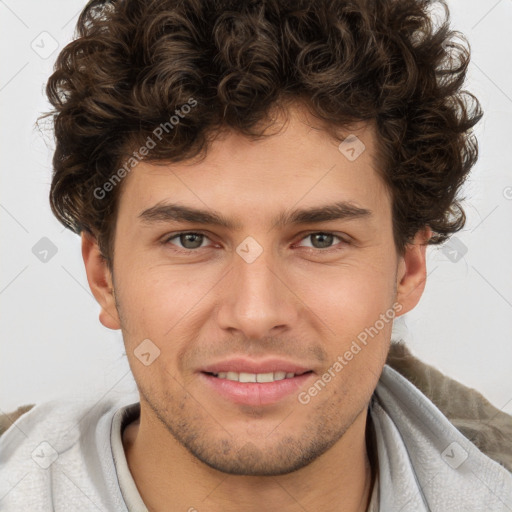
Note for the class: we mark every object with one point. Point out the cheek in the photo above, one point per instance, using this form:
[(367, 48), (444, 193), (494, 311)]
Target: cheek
[(161, 292), (358, 309), (162, 304), (354, 295)]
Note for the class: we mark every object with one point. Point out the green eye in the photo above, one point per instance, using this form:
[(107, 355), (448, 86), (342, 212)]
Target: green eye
[(189, 241), (323, 240)]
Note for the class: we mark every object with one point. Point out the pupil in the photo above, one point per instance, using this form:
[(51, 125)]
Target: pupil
[(327, 239), (190, 237)]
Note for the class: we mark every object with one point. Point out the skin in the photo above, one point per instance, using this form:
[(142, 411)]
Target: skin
[(299, 300)]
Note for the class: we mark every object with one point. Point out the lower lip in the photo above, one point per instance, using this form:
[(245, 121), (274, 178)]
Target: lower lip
[(256, 393)]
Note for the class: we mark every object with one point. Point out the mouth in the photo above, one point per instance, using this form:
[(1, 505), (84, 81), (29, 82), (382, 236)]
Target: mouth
[(249, 383), (246, 377)]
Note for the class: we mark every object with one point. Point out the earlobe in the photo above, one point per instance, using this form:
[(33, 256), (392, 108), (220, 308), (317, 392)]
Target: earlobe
[(412, 272), (100, 281)]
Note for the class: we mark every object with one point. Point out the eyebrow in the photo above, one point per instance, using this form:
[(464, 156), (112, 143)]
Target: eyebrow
[(166, 212)]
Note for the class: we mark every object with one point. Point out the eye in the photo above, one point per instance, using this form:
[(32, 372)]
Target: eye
[(191, 240), (188, 240), (321, 240)]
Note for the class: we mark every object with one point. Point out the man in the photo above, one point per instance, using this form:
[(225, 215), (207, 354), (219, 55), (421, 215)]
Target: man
[(255, 185)]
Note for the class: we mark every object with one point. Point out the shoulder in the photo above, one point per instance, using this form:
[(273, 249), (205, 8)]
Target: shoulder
[(58, 426), (7, 419), (49, 445), (489, 428), (54, 416)]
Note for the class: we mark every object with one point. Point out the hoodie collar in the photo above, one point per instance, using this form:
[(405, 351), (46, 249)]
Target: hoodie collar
[(425, 463)]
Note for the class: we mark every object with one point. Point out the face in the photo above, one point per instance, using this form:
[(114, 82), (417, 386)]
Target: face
[(256, 362)]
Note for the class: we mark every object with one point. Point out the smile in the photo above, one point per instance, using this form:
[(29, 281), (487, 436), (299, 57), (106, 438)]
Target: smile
[(254, 389), (245, 377)]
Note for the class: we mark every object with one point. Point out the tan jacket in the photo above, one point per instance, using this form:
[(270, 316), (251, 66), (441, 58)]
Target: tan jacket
[(475, 417)]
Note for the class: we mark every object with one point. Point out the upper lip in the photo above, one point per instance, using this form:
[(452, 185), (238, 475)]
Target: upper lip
[(244, 365)]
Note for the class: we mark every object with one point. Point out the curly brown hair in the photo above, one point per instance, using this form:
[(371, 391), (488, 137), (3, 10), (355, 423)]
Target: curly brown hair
[(134, 63)]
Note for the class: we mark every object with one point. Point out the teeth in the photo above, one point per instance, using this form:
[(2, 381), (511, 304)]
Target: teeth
[(255, 377), (265, 377), (247, 377)]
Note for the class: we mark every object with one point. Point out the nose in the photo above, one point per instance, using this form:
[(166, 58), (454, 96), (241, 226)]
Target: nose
[(257, 299)]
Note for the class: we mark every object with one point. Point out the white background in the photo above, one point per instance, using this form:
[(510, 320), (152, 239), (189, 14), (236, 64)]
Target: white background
[(52, 343)]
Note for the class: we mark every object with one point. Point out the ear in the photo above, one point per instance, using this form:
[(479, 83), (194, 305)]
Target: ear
[(100, 281), (412, 271)]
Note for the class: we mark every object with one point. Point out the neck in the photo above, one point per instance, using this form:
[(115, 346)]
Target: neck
[(165, 472)]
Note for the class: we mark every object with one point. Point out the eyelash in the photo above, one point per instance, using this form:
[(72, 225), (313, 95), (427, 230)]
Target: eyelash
[(172, 236)]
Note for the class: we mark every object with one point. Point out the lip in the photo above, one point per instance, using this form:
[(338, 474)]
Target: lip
[(255, 393)]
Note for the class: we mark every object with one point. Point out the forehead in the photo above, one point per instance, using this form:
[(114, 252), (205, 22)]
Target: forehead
[(299, 164)]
